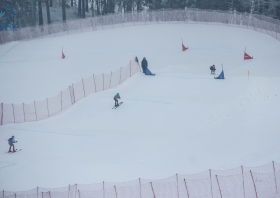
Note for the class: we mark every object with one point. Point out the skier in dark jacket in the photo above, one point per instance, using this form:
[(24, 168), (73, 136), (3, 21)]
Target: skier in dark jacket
[(144, 64), (116, 97), (11, 142), (212, 68)]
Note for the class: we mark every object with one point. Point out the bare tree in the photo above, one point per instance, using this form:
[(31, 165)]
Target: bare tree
[(86, 5), (83, 9), (48, 12), (40, 12), (63, 11)]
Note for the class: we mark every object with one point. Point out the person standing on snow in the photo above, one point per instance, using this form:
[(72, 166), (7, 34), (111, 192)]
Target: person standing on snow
[(212, 68), (116, 99), (144, 64), (11, 142)]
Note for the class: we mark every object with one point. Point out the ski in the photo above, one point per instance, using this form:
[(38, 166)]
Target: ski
[(117, 106), (14, 152)]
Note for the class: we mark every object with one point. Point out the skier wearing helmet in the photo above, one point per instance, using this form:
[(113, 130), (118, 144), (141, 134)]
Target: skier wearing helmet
[(11, 142), (117, 96)]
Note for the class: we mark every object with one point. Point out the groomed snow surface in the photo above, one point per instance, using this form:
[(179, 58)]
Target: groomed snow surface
[(180, 121)]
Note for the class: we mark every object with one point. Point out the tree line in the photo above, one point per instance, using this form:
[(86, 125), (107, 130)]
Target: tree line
[(30, 12)]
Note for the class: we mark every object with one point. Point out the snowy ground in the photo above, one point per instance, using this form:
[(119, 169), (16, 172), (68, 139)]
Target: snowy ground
[(180, 121)]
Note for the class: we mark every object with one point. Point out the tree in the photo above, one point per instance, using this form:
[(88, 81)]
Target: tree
[(48, 12), (40, 12), (98, 6), (139, 5), (63, 11), (79, 7), (83, 9), (86, 5)]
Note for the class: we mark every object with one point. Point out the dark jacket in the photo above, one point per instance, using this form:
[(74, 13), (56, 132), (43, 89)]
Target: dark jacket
[(144, 64)]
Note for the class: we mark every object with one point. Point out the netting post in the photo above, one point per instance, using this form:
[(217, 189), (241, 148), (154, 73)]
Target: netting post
[(70, 95), (2, 114), (41, 31), (66, 27), (116, 191), (68, 190), (79, 194), (153, 190), (48, 107), (120, 75), (15, 195), (42, 195), (53, 30), (92, 24), (254, 184), (211, 183), (112, 21), (130, 68), (186, 188), (94, 82), (139, 186), (3, 194), (61, 99), (276, 31), (37, 192), (84, 87), (275, 177), (110, 80), (73, 93), (219, 186), (14, 112), (103, 81), (103, 189), (177, 181), (50, 194), (76, 190), (81, 27), (243, 181), (35, 110)]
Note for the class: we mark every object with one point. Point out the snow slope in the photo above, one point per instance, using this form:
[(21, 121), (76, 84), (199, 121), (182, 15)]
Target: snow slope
[(179, 121)]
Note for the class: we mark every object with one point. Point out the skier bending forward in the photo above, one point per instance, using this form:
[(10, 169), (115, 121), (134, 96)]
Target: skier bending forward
[(116, 99), (11, 142)]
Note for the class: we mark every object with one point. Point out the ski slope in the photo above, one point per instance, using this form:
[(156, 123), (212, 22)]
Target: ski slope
[(179, 121)]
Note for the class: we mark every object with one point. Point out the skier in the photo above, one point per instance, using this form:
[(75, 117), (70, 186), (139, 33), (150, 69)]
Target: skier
[(11, 142), (116, 99), (212, 68), (144, 64)]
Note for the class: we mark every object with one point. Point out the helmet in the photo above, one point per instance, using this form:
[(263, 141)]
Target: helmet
[(13, 136)]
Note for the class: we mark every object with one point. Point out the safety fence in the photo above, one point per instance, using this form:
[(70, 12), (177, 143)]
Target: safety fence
[(10, 113), (188, 16), (242, 182), (39, 110)]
